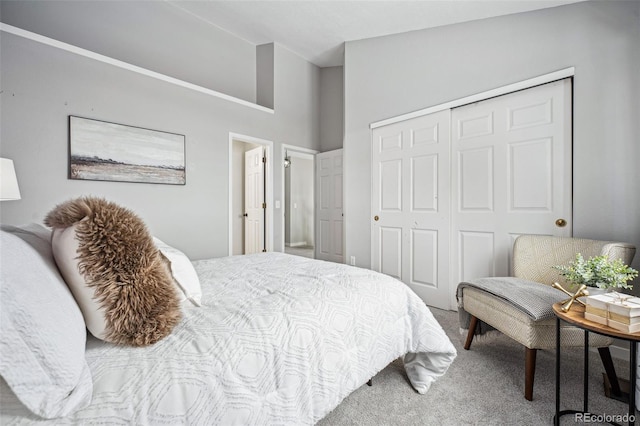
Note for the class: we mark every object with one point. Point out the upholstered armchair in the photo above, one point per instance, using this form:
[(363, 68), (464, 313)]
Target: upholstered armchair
[(533, 259)]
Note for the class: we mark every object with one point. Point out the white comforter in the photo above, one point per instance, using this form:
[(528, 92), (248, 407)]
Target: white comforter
[(279, 340)]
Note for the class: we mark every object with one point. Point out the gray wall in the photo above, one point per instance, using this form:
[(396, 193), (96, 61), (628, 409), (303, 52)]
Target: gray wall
[(296, 84), (393, 75), (331, 108), (264, 75), (42, 85), (152, 34)]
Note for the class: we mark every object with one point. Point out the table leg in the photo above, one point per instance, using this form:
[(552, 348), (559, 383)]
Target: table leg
[(633, 361), (585, 381), (556, 418), (634, 367)]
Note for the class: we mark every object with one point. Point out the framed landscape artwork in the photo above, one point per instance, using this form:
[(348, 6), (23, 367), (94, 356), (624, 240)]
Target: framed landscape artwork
[(99, 150)]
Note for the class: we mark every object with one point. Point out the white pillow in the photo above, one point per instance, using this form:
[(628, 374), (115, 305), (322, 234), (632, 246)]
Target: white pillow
[(121, 282), (184, 274), (65, 248), (42, 334)]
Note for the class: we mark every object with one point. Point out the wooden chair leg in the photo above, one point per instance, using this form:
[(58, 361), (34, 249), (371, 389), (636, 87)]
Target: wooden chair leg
[(473, 323), (530, 371), (607, 363)]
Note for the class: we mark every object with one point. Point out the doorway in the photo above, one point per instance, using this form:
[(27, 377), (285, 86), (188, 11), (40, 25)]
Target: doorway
[(239, 145), (299, 202)]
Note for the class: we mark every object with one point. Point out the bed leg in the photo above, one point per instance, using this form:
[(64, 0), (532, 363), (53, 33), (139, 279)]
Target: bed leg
[(370, 382)]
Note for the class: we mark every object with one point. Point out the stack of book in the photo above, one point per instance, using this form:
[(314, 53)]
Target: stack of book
[(621, 313)]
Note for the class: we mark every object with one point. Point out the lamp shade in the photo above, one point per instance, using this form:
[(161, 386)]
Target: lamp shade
[(8, 181)]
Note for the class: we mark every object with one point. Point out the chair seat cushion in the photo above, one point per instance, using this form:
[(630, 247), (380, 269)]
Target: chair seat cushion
[(517, 324), (531, 298)]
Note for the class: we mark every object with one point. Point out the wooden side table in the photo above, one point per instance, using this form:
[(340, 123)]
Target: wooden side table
[(576, 317)]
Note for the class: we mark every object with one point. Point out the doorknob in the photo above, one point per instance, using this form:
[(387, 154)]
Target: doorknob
[(376, 218), (561, 223), (246, 215)]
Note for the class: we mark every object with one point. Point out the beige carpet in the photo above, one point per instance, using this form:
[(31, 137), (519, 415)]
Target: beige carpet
[(484, 386)]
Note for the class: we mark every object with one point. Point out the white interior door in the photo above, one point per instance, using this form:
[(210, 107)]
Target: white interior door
[(410, 205), (511, 175), (329, 214), (254, 192)]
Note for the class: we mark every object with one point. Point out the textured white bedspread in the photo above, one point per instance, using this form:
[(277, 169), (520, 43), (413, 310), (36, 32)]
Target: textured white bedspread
[(279, 339)]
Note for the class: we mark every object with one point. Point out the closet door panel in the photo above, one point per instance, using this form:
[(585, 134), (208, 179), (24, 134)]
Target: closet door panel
[(512, 176), (410, 204)]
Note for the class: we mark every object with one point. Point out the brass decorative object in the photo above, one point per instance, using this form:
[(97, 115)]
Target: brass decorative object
[(573, 297)]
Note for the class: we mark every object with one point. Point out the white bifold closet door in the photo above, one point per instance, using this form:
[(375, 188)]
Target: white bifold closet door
[(410, 204), (511, 175), (452, 190)]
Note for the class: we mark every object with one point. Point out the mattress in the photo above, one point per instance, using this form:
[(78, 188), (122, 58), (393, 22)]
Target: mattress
[(279, 339)]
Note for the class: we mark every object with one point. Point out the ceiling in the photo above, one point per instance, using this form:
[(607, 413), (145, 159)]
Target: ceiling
[(316, 30)]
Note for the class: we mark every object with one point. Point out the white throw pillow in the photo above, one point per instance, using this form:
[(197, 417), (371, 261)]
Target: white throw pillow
[(65, 251), (184, 274), (122, 284), (42, 334)]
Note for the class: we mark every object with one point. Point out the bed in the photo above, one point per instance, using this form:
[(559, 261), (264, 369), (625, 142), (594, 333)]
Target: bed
[(278, 339)]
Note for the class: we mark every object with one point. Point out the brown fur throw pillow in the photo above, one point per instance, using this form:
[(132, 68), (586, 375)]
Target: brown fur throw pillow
[(123, 285)]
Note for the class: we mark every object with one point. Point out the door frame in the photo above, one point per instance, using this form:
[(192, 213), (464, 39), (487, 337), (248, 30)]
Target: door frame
[(268, 173), (312, 152)]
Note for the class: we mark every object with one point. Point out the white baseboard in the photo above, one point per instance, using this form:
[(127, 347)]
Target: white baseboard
[(298, 244)]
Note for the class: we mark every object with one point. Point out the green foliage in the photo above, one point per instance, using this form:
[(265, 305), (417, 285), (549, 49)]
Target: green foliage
[(599, 272)]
